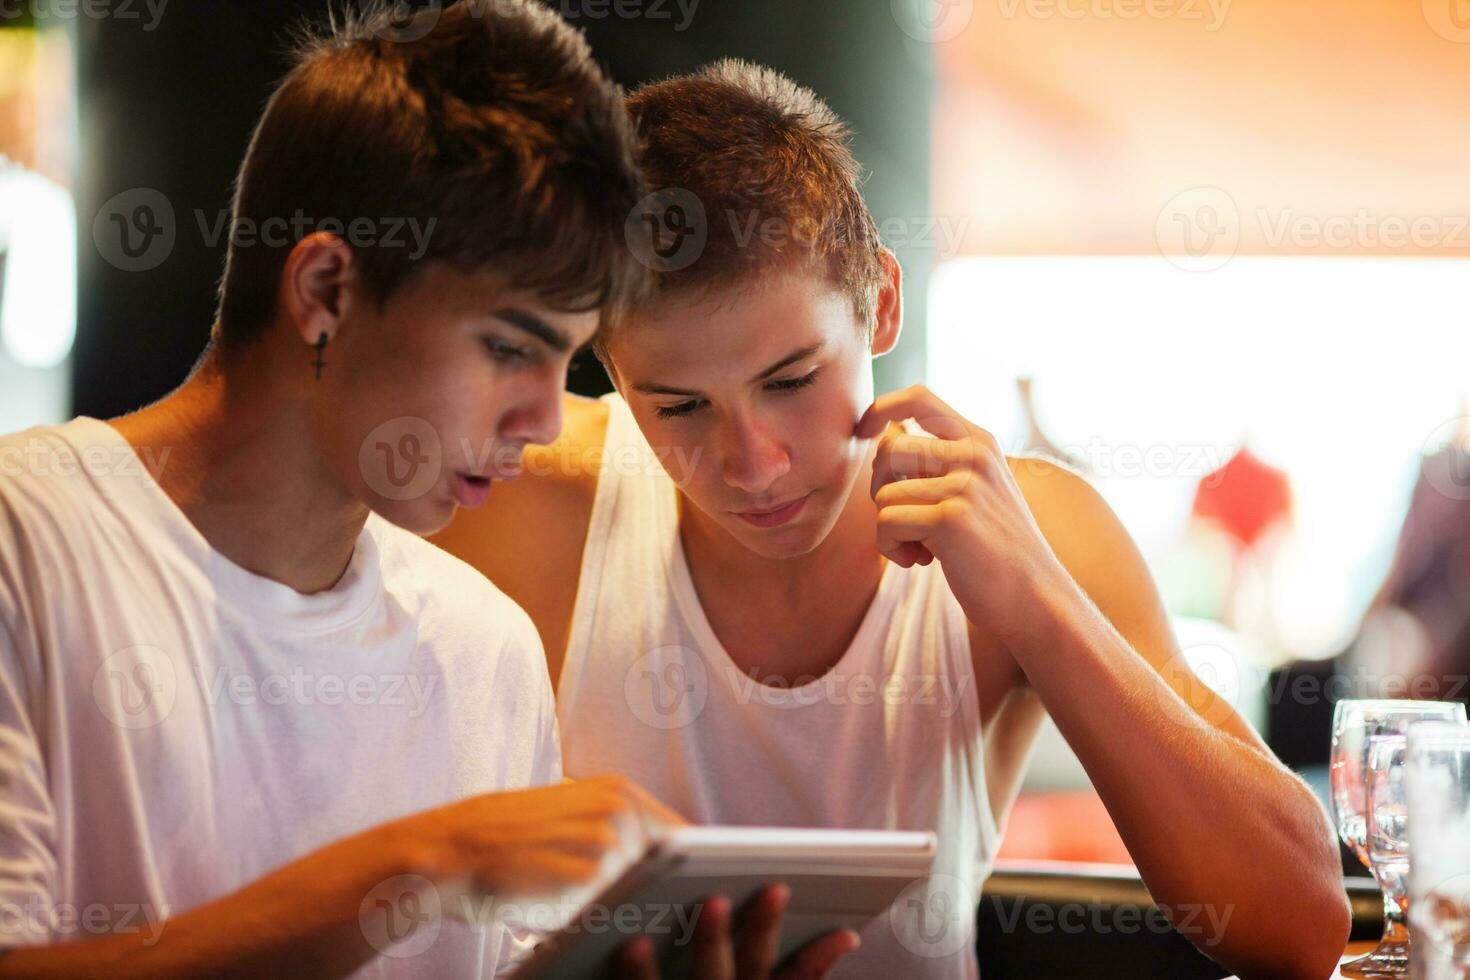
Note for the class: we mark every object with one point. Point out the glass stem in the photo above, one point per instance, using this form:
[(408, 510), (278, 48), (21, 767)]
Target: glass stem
[(1395, 930)]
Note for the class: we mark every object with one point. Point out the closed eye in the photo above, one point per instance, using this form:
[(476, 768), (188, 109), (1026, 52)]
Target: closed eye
[(779, 386), (677, 410), (504, 352), (792, 384)]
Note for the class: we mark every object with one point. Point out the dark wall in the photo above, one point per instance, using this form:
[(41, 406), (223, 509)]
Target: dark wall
[(168, 109), (166, 114)]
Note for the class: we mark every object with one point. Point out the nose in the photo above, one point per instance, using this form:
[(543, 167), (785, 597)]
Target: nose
[(752, 458), (536, 415)]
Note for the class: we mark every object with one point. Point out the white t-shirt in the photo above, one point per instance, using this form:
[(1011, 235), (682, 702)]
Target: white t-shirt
[(173, 727)]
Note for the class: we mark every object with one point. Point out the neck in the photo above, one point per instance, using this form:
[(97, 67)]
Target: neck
[(243, 468)]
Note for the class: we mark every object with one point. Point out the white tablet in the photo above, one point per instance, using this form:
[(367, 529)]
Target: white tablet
[(839, 879)]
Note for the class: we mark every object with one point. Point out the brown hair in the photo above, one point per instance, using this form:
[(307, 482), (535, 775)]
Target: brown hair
[(769, 165), (491, 120)]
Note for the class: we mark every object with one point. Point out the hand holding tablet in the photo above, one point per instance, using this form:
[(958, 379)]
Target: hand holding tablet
[(664, 908)]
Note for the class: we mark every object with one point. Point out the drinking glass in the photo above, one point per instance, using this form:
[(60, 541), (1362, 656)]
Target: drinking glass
[(1437, 784), (1388, 819), (1354, 722)]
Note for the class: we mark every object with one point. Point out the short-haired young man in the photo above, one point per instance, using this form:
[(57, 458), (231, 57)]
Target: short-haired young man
[(237, 691), (757, 629)]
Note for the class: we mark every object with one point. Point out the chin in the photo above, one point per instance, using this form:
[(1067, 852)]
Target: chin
[(789, 541), (424, 517), (778, 546)]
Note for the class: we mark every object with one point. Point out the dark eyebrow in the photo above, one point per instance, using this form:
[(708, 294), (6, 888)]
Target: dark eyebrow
[(536, 327), (646, 388), (790, 359)]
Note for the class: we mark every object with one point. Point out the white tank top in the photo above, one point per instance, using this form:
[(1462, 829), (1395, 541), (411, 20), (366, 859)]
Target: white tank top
[(888, 739)]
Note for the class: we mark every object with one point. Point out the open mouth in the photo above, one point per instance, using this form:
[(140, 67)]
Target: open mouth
[(470, 490)]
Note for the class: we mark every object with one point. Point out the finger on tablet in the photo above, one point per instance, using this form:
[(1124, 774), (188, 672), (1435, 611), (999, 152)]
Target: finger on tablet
[(759, 928), (714, 959), (634, 961), (814, 960)]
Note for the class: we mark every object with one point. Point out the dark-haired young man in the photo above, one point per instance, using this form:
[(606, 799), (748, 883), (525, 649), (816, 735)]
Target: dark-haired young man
[(250, 723), (756, 628)]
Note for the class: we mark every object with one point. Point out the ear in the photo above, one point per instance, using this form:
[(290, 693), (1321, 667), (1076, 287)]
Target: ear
[(315, 286), (888, 311)]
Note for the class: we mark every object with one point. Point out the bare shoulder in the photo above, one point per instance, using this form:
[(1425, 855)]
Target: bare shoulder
[(1074, 518), (1097, 551), (1102, 557), (1042, 477)]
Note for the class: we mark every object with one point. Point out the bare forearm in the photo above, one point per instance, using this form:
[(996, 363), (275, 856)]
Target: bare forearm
[(299, 921), (1210, 820)]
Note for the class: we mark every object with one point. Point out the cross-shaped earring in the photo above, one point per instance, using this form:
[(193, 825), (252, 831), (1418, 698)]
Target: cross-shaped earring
[(321, 345)]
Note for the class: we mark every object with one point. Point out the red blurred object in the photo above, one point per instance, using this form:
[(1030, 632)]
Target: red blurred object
[(1244, 497)]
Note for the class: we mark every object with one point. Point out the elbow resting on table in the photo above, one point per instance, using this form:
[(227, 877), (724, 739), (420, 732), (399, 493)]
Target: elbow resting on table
[(1322, 952), (1319, 920), (1301, 921), (1325, 914)]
